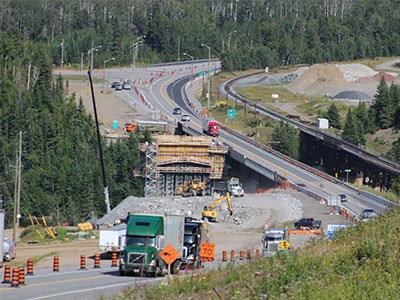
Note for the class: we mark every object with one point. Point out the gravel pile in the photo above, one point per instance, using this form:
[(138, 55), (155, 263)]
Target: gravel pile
[(189, 206), (353, 72), (353, 95)]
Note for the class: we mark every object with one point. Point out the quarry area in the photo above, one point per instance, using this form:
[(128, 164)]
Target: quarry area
[(243, 230)]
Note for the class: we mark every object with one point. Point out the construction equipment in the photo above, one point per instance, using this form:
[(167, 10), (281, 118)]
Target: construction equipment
[(192, 188), (210, 212)]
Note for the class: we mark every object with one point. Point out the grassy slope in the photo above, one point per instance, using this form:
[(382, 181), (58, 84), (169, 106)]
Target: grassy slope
[(360, 263)]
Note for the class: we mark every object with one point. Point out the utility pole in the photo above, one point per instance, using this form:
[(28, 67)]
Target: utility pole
[(2, 214), (103, 170), (17, 188), (19, 178)]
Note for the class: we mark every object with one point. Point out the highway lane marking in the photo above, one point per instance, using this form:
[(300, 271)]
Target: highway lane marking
[(86, 290)]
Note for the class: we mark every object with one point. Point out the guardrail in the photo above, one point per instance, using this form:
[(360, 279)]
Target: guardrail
[(363, 154), (302, 166)]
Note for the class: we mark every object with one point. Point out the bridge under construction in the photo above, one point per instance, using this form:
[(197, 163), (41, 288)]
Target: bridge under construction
[(171, 160)]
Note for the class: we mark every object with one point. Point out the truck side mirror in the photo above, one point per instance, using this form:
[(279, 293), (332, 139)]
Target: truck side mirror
[(160, 242)]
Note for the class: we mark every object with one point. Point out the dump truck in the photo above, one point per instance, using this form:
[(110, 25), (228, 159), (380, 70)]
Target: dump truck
[(210, 127), (271, 240), (192, 188), (112, 239), (210, 212), (196, 233), (147, 235), (232, 186)]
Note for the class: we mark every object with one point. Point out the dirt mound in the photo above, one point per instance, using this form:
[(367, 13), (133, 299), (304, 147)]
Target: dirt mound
[(388, 77), (317, 78)]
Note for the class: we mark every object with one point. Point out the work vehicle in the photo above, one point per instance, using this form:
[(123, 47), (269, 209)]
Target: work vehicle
[(235, 188), (130, 127), (232, 186), (210, 127), (177, 111), (342, 197), (118, 86), (196, 233), (192, 188), (308, 222), (8, 249), (271, 239), (368, 214), (210, 212), (147, 235), (112, 239), (185, 118)]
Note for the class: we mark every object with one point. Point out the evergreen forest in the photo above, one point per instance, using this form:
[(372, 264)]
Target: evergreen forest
[(243, 34), (61, 176), (61, 173)]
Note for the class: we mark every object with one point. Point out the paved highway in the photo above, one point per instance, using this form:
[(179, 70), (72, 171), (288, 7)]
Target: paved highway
[(159, 90), (71, 284)]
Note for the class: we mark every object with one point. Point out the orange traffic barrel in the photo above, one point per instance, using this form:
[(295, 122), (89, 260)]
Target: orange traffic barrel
[(56, 264), (21, 275), (83, 262), (97, 261), (233, 255), (224, 256), (114, 259), (15, 277), (7, 274), (248, 254), (29, 267), (258, 253), (241, 255)]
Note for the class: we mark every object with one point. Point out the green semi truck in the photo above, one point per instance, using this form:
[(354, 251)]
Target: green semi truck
[(146, 237)]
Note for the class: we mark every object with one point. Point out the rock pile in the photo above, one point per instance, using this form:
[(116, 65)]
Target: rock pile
[(245, 209)]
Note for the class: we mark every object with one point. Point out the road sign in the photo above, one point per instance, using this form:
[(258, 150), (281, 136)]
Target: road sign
[(284, 245), (207, 252), (169, 254), (202, 74), (231, 113), (347, 170)]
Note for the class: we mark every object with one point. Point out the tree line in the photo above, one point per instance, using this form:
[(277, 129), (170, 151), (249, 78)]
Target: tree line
[(243, 34), (61, 175)]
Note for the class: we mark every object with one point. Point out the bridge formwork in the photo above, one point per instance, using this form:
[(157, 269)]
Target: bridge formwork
[(172, 160)]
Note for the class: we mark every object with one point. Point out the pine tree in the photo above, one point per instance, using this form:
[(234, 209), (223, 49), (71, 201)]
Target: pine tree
[(333, 116), (351, 131)]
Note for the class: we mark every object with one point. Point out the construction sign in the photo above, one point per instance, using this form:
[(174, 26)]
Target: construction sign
[(207, 252), (284, 245), (169, 254)]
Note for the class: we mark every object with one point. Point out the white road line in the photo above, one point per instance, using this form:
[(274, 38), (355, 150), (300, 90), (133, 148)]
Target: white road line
[(53, 296)]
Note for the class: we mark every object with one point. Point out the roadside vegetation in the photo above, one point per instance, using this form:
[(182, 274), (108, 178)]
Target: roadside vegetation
[(359, 263)]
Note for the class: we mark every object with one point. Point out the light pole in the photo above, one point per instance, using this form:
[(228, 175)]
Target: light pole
[(139, 42), (62, 53), (229, 39), (90, 55), (191, 77), (209, 76), (104, 70)]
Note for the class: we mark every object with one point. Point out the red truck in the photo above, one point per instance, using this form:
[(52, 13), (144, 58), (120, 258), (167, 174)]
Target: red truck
[(210, 127)]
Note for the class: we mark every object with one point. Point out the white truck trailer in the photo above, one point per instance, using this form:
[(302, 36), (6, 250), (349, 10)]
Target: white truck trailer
[(112, 239)]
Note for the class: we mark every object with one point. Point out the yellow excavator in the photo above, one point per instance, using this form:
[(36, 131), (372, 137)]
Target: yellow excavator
[(192, 188), (210, 212)]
